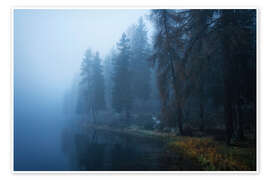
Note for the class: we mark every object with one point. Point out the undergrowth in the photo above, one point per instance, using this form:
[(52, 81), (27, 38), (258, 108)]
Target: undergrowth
[(215, 156)]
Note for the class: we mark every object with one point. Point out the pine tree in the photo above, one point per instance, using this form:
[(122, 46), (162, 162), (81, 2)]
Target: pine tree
[(121, 92), (235, 31), (166, 54), (84, 97), (108, 71), (140, 68), (202, 51), (98, 84), (91, 91)]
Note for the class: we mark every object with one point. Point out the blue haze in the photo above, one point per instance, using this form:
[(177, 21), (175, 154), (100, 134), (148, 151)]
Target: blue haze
[(48, 48)]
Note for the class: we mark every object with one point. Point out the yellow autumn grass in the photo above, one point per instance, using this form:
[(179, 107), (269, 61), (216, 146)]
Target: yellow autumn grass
[(212, 155)]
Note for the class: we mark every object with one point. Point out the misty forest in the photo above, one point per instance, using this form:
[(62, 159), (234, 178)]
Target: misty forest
[(176, 91)]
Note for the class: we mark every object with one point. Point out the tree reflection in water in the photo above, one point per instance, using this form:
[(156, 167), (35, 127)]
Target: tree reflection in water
[(106, 151)]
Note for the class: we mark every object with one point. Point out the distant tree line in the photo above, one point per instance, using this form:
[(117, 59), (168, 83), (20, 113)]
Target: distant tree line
[(198, 71), (91, 87), (122, 81)]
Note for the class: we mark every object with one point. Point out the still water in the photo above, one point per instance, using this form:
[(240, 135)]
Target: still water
[(54, 146), (102, 150)]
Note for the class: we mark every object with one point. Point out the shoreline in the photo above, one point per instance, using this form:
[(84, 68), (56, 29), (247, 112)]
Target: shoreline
[(205, 151)]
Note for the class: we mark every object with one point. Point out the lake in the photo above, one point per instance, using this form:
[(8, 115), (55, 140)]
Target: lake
[(54, 146)]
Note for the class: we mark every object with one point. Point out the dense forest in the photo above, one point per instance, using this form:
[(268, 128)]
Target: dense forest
[(193, 76)]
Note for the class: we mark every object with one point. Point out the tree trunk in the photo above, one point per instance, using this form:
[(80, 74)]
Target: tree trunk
[(228, 19), (179, 120), (240, 132), (228, 118), (228, 102), (202, 117), (174, 77)]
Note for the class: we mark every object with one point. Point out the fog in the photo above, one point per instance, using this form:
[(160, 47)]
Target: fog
[(48, 49), (134, 89), (49, 44)]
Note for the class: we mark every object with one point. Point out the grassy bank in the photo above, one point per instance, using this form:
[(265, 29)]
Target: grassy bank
[(136, 132), (213, 155), (204, 151)]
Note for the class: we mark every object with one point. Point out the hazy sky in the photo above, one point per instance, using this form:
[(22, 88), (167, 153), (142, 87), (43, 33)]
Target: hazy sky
[(48, 49), (49, 44)]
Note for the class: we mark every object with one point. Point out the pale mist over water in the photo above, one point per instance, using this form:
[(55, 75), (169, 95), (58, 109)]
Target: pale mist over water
[(48, 49), (135, 90)]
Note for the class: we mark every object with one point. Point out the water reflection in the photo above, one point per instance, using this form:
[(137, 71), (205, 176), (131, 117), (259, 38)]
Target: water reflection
[(97, 150), (101, 150)]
